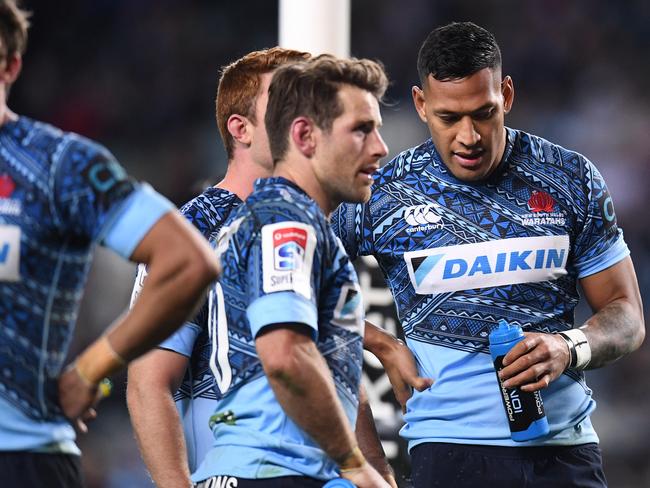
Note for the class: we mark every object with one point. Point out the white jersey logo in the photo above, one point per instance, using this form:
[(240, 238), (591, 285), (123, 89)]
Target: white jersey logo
[(422, 215), (488, 264), (423, 218), (287, 254), (9, 253)]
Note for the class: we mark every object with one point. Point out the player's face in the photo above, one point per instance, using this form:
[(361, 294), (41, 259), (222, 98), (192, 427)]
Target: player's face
[(466, 120), (350, 152), (260, 150), (9, 69)]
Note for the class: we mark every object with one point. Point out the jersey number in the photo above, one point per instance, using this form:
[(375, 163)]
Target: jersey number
[(218, 331)]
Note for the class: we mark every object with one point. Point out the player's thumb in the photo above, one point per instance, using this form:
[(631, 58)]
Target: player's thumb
[(421, 384)]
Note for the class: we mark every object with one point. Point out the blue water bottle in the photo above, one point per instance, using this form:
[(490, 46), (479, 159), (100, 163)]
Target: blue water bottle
[(525, 411), (339, 483)]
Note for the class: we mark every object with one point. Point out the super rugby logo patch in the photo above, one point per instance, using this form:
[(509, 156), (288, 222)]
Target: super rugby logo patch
[(287, 255), (289, 245), (488, 264)]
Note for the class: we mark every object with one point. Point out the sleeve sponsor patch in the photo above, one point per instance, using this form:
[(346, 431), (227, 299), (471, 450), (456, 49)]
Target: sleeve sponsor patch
[(107, 179), (287, 255), (349, 311)]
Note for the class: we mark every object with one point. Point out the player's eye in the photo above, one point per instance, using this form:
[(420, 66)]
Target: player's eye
[(366, 128), (449, 118), (484, 114)]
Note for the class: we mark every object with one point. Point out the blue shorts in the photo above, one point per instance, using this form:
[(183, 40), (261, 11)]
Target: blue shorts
[(470, 466)]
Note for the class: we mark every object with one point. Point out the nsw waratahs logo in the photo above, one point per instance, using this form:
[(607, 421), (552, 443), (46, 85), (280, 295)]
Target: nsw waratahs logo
[(7, 186), (541, 201), (543, 211)]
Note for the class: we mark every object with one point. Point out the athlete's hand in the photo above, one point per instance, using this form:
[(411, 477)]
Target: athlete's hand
[(535, 361), (77, 398), (366, 477), (390, 479), (400, 367)]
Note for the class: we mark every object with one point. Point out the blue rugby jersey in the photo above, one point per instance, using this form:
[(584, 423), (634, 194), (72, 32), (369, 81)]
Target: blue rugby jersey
[(282, 265), (196, 398), (459, 256), (59, 195)]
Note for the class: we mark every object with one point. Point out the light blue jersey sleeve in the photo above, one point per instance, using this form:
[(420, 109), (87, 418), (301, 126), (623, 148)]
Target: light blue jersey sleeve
[(182, 341), (142, 209), (282, 307), (600, 244)]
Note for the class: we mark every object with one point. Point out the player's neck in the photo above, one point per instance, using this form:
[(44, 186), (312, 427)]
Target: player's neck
[(500, 151), (241, 175), (6, 115), (308, 182)]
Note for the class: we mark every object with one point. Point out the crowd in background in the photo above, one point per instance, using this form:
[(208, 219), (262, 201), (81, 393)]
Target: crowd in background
[(140, 77)]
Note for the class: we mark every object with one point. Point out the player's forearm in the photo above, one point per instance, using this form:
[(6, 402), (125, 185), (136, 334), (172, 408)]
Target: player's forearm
[(368, 438), (304, 387), (614, 331), (170, 295), (180, 265), (378, 341), (158, 431)]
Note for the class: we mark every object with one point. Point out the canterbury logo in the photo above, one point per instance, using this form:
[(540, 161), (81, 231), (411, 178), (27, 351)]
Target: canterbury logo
[(422, 215)]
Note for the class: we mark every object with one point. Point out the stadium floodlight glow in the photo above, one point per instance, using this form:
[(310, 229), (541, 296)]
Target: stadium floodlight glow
[(316, 26)]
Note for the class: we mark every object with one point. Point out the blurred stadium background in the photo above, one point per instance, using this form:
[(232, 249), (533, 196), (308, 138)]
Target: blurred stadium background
[(140, 77)]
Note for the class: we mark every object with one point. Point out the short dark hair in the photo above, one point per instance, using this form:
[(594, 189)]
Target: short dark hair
[(310, 89), (457, 50), (13, 29)]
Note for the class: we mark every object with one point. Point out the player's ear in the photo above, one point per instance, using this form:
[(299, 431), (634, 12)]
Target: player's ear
[(239, 128), (302, 135), (11, 69), (508, 92), (419, 102)]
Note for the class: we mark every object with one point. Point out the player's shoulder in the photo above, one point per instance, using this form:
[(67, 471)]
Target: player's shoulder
[(29, 131), (210, 210), (51, 155), (276, 208), (45, 144), (277, 200), (542, 155)]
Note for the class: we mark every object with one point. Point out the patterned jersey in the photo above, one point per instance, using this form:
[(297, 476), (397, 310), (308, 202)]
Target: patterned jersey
[(59, 194), (196, 399), (282, 265), (460, 256)]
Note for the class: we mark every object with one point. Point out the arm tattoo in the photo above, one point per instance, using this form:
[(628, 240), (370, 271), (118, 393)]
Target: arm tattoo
[(612, 332)]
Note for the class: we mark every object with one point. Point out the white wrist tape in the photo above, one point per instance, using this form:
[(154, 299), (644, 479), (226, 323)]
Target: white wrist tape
[(578, 347)]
